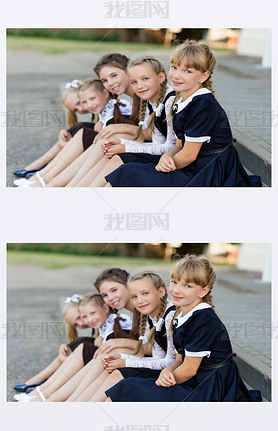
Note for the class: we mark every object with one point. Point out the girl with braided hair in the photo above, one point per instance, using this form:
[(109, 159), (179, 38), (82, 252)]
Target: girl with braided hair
[(149, 296), (149, 82), (204, 154), (204, 368)]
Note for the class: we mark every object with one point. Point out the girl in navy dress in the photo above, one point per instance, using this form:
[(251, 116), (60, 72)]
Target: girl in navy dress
[(204, 154), (149, 81), (204, 369), (149, 296)]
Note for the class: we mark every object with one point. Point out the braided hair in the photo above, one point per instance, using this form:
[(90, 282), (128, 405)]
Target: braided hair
[(157, 67), (157, 282)]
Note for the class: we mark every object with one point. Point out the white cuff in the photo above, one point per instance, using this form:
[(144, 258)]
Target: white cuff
[(197, 354), (198, 139)]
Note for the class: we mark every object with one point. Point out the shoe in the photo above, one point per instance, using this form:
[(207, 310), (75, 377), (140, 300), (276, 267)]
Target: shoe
[(28, 390), (23, 182), (23, 172), (23, 387), (22, 397)]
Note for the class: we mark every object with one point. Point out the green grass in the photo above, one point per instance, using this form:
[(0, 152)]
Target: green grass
[(60, 46), (58, 260)]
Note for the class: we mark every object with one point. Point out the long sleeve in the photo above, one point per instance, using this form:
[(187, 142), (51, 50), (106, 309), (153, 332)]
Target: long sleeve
[(159, 359), (160, 144)]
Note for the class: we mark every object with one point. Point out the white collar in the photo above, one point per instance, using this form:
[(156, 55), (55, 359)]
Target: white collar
[(168, 90), (182, 319), (182, 104)]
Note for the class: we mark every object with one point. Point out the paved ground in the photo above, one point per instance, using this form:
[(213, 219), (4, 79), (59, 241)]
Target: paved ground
[(35, 113), (36, 295)]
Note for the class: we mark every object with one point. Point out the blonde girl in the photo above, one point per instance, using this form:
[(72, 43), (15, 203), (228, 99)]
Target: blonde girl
[(149, 81), (73, 320), (204, 154), (204, 368), (149, 296), (73, 106)]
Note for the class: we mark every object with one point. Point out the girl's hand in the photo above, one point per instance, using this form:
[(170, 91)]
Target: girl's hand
[(165, 164), (98, 127), (112, 146), (98, 341), (166, 378), (106, 133), (64, 135), (105, 348), (112, 362), (64, 350)]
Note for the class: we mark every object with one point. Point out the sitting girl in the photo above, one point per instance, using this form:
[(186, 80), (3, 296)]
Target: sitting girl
[(73, 105), (204, 369), (112, 285), (95, 314), (149, 81), (97, 100), (204, 154), (73, 320)]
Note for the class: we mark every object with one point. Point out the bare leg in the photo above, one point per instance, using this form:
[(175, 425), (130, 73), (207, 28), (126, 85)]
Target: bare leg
[(45, 373), (81, 395), (69, 153), (92, 174), (108, 400), (68, 369), (62, 179), (46, 157), (113, 378), (109, 167)]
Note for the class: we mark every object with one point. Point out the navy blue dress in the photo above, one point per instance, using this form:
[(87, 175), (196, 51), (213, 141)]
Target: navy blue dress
[(200, 333), (200, 118)]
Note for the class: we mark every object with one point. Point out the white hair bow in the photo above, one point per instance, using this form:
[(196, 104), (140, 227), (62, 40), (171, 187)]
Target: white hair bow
[(158, 325), (74, 84), (141, 123), (74, 298)]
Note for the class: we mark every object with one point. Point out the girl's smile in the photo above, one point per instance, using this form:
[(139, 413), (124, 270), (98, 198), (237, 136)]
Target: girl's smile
[(186, 80), (94, 101), (94, 315), (114, 79), (145, 82), (114, 294), (146, 298), (186, 294)]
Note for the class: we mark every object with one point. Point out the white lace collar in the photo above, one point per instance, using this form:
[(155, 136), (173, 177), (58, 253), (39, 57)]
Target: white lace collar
[(182, 319), (158, 109), (160, 322), (182, 104)]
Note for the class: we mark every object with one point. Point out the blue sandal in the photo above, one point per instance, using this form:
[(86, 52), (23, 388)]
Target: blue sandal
[(23, 172)]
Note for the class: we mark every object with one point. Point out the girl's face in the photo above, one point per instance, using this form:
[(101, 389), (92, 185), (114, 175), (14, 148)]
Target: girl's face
[(145, 297), (93, 101), (73, 103), (116, 295), (115, 80), (94, 315), (145, 82), (186, 80), (73, 318), (186, 295)]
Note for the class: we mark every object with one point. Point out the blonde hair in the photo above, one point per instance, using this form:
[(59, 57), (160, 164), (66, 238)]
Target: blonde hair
[(157, 282), (197, 270), (157, 67), (97, 300), (72, 333), (196, 55), (71, 115)]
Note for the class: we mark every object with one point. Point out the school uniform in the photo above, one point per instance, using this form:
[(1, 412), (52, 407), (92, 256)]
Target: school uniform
[(163, 351), (105, 117), (163, 138), (106, 332), (200, 333), (200, 119)]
